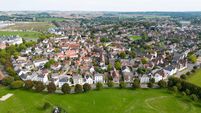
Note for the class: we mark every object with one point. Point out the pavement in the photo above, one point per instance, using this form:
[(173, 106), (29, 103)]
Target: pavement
[(188, 69), (5, 97)]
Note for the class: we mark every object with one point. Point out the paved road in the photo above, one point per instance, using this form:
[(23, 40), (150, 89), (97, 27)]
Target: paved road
[(188, 69)]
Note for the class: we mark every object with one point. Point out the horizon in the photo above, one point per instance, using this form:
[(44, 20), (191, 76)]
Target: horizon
[(102, 5)]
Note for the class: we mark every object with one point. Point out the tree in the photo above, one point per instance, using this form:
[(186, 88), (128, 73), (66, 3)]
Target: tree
[(39, 86), (99, 85), (46, 105), (162, 83), (183, 93), (192, 58), (28, 84), (122, 55), (150, 84), (188, 92), (86, 87), (175, 89), (104, 40), (122, 85), (109, 67), (183, 76), (110, 84), (193, 71), (136, 84), (49, 63), (78, 88), (195, 67), (7, 80), (132, 54), (66, 88), (141, 70), (117, 65), (17, 84), (179, 86), (144, 60), (152, 80), (11, 71), (51, 87), (194, 97), (188, 73)]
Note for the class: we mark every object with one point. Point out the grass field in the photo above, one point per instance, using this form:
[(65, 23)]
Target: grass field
[(23, 34), (104, 101), (195, 78), (134, 38), (30, 26), (50, 19)]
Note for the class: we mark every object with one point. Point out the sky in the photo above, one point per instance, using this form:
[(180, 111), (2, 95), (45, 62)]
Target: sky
[(101, 5)]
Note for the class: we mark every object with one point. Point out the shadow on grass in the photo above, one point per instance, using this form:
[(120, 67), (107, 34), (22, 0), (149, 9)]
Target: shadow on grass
[(197, 104)]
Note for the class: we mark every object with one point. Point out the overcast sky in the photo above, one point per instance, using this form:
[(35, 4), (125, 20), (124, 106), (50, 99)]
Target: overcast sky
[(102, 5)]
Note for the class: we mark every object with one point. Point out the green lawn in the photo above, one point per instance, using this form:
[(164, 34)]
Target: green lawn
[(195, 78), (104, 101), (134, 38), (26, 35)]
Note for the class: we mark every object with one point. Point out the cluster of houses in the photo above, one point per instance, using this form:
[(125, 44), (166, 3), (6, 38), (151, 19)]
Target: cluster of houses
[(78, 58), (9, 40)]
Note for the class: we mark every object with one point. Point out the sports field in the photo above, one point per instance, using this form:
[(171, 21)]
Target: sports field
[(103, 101)]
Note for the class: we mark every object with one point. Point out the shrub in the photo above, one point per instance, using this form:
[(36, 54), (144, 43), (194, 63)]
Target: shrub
[(188, 92), (162, 84), (183, 93), (7, 80), (46, 105), (110, 84), (194, 97), (28, 84), (86, 87), (195, 67), (183, 76), (150, 84), (122, 85), (51, 87), (188, 73), (178, 86), (99, 85), (152, 80), (17, 84), (175, 89), (136, 84), (78, 88), (66, 88), (193, 70), (39, 86)]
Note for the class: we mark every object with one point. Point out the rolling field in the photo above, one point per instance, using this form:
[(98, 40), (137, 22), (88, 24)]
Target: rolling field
[(104, 101), (30, 26), (195, 78)]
